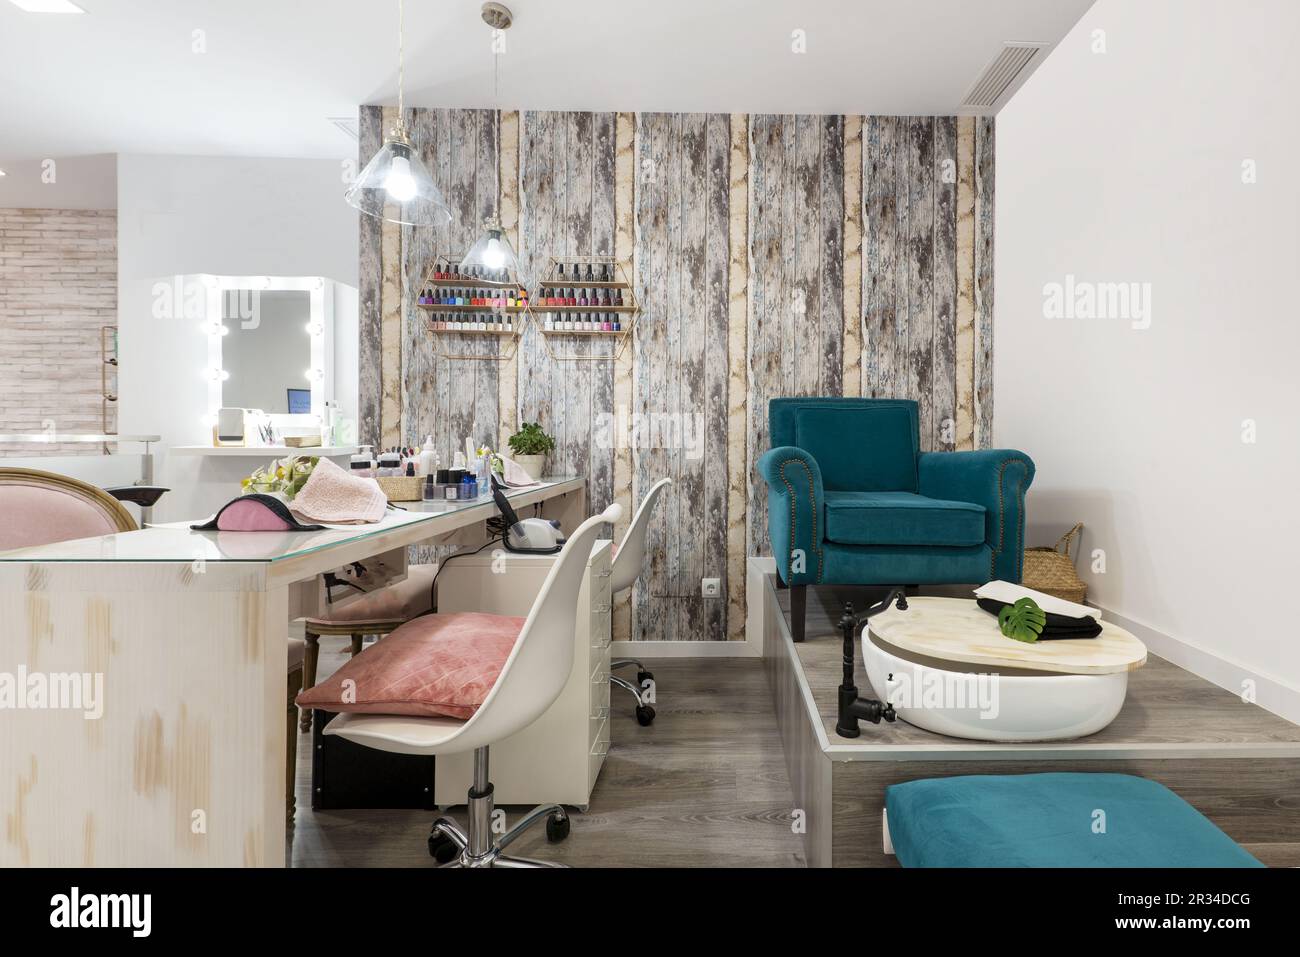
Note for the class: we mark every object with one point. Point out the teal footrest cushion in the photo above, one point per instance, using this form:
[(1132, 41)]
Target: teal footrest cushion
[(1052, 820)]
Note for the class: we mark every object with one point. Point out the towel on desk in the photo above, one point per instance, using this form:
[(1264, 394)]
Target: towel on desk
[(514, 476), (332, 495)]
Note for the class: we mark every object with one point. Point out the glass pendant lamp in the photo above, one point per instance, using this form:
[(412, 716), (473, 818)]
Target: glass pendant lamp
[(493, 255), (395, 185)]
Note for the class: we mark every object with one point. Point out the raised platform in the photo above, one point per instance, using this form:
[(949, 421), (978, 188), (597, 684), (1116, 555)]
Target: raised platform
[(1238, 764)]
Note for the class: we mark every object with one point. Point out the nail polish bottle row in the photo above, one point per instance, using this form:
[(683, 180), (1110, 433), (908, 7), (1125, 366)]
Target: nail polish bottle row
[(577, 273), (469, 296), (470, 274), (580, 296), (584, 322), (472, 321)]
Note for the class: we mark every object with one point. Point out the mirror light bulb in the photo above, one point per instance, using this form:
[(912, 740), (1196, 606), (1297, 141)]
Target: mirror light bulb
[(400, 184)]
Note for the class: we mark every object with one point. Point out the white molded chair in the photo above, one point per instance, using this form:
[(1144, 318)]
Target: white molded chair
[(628, 564), (531, 679)]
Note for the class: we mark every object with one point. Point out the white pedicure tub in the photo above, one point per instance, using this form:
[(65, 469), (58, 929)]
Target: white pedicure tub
[(944, 666)]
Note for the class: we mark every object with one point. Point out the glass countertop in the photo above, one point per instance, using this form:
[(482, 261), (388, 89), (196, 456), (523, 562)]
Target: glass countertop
[(177, 542)]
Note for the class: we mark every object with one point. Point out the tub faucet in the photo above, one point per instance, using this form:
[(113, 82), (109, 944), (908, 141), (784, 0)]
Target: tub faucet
[(852, 708)]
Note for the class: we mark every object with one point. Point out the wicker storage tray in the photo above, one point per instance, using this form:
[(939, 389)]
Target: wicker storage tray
[(400, 488), (1051, 569)]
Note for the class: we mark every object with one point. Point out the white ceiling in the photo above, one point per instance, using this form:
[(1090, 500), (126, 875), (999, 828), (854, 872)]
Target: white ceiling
[(124, 77)]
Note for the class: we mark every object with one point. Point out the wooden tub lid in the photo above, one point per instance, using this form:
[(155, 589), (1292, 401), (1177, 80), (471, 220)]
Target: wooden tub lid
[(956, 629)]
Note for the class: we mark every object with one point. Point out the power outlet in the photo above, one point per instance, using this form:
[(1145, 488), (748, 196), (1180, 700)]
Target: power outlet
[(711, 587)]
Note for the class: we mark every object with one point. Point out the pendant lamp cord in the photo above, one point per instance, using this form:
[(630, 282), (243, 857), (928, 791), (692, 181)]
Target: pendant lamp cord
[(401, 63)]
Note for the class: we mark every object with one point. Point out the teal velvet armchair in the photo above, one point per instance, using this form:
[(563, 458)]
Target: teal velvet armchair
[(853, 501)]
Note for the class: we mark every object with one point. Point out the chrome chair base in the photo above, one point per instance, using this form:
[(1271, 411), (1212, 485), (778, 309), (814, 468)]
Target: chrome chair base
[(645, 712), (478, 847), (627, 686)]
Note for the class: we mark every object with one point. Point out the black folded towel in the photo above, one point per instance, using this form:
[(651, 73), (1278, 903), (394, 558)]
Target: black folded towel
[(1057, 627)]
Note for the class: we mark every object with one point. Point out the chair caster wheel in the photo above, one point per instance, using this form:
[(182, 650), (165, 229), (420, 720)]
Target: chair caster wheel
[(643, 676), (442, 848), (557, 827), (645, 715)]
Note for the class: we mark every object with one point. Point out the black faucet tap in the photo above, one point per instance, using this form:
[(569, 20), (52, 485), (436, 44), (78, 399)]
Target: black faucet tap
[(852, 708)]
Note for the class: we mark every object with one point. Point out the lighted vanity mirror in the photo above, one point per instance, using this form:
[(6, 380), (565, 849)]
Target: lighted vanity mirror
[(273, 347), (267, 350)]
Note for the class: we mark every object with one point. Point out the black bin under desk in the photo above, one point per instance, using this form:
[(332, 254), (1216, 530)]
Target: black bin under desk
[(349, 775)]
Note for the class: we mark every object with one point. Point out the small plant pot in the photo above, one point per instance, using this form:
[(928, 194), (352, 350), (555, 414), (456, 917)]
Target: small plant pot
[(534, 465)]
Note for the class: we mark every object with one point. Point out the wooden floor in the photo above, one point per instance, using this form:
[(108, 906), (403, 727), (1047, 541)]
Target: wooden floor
[(704, 786)]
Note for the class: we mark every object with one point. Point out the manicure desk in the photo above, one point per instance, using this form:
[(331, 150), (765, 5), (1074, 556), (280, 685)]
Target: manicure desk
[(189, 629)]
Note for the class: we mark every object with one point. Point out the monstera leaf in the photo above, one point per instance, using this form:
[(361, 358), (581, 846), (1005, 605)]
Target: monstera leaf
[(1022, 621)]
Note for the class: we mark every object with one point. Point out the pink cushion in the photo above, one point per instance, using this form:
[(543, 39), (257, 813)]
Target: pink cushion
[(441, 665), (399, 602), (38, 516)]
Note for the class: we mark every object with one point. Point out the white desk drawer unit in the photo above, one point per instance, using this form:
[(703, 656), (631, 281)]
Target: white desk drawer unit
[(559, 756)]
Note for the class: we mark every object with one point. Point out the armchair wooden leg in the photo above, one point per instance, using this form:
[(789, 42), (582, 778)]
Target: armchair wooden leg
[(310, 656), (356, 645), (798, 610)]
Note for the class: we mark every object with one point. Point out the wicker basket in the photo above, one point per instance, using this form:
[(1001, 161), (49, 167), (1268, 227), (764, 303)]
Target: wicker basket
[(400, 488), (1051, 570)]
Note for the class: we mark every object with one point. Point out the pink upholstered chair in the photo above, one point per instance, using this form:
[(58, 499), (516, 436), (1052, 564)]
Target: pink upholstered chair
[(41, 508)]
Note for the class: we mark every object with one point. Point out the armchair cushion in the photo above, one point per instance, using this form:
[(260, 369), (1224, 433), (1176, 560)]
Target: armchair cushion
[(901, 518), (860, 448)]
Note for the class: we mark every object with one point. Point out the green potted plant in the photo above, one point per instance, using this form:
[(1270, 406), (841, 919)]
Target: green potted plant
[(529, 447)]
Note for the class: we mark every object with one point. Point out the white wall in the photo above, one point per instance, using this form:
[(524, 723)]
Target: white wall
[(224, 216), (1127, 166), (62, 182)]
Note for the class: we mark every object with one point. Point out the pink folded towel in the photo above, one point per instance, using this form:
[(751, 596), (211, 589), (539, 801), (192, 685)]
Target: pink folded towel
[(332, 495), (514, 476)]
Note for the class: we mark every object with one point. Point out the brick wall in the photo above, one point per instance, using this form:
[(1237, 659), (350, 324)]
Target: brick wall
[(58, 288)]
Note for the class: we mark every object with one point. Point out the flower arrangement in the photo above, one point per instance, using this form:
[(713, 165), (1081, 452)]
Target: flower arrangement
[(284, 476), (497, 465)]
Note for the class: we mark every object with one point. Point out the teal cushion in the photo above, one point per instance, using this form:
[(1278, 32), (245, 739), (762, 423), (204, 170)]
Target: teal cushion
[(901, 518), (910, 564), (1052, 820), (862, 448)]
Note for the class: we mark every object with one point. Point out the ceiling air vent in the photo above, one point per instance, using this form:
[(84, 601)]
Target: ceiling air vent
[(1009, 69)]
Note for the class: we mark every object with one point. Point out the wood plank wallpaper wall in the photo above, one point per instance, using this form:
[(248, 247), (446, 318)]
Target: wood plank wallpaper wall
[(772, 255)]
